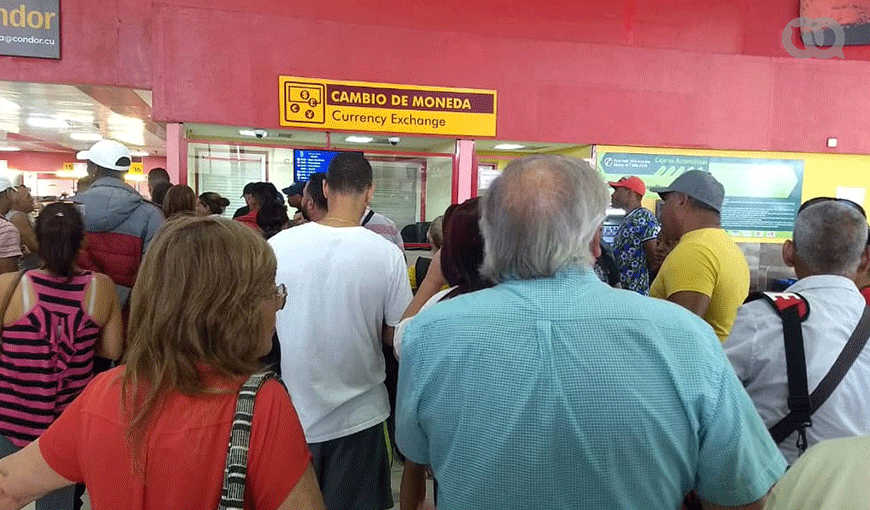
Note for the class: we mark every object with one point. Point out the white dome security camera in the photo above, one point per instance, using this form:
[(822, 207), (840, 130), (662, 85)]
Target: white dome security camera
[(394, 140)]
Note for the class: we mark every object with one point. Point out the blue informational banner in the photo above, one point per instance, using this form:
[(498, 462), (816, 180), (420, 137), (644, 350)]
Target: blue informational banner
[(762, 196), (307, 162)]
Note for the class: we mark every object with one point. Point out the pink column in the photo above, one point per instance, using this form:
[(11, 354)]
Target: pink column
[(176, 153), (463, 171)]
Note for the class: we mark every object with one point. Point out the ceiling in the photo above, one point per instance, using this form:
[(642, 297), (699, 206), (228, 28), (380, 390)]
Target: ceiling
[(66, 118)]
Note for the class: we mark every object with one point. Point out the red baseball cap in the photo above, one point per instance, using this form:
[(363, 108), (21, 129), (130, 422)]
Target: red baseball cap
[(633, 183)]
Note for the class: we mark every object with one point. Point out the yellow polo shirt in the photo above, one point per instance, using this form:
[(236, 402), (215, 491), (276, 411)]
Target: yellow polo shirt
[(707, 261)]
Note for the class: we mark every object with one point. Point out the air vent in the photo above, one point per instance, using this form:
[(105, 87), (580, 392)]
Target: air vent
[(283, 135)]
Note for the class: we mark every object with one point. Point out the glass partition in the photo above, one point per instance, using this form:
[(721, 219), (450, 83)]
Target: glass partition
[(409, 187)]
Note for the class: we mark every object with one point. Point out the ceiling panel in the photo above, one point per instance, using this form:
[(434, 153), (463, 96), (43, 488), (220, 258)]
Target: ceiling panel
[(50, 117)]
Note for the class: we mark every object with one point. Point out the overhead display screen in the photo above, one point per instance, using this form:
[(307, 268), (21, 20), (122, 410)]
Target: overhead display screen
[(307, 162)]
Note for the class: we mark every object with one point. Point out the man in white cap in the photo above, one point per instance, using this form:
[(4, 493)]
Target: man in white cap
[(119, 223), (706, 272), (10, 239)]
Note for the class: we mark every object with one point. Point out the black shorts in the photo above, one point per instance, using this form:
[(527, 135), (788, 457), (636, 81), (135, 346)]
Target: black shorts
[(354, 471)]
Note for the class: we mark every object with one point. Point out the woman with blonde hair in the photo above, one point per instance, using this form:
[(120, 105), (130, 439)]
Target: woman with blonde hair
[(153, 433)]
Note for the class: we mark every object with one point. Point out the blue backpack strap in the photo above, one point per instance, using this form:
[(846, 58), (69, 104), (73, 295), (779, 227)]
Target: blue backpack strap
[(793, 309)]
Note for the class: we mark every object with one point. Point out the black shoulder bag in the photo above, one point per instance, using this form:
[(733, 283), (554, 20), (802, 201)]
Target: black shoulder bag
[(793, 309)]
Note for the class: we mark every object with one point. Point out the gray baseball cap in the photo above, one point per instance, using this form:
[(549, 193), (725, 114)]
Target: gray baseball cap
[(697, 184)]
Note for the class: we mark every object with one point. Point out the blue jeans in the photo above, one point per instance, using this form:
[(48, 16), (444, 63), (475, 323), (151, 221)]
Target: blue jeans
[(61, 499)]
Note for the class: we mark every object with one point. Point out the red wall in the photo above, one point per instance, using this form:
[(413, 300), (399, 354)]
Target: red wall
[(639, 72), (33, 161), (153, 162), (106, 42), (26, 161)]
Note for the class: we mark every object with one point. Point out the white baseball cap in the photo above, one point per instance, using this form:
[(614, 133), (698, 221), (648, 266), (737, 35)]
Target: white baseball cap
[(108, 154)]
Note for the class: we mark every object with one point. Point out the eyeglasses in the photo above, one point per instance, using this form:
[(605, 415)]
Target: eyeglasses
[(819, 200), (280, 296)]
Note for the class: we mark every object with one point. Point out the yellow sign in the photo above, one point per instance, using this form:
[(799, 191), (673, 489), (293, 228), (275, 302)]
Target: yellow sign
[(386, 108), (136, 168)]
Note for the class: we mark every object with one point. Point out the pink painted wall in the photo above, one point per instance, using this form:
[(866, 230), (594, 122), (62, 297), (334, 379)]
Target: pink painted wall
[(153, 162), (32, 161)]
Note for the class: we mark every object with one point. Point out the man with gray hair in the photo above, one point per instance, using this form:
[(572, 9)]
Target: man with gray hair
[(553, 390), (828, 250)]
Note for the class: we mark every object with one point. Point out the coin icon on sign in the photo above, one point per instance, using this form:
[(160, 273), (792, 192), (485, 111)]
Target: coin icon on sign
[(608, 161), (304, 103)]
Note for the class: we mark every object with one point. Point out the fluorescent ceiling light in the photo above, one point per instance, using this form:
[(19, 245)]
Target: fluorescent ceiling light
[(138, 154), (8, 105), (86, 137), (9, 148), (72, 174), (358, 139), (247, 132), (47, 123), (508, 146), (130, 137), (76, 116)]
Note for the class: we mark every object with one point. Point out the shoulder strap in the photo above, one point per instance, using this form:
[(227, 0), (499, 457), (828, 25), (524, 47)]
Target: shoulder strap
[(368, 217), (829, 383), (8, 298), (421, 268), (236, 468), (792, 309), (781, 301)]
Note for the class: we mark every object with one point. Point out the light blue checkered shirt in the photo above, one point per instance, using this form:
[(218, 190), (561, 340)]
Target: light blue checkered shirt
[(564, 393)]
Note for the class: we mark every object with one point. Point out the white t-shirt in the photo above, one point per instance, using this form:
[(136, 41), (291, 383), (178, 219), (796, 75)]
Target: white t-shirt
[(400, 329), (10, 240), (383, 226), (757, 351), (343, 284)]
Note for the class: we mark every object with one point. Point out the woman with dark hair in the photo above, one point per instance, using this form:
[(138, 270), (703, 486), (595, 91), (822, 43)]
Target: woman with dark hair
[(211, 203), (272, 218), (180, 199), (158, 194), (456, 264), (57, 319)]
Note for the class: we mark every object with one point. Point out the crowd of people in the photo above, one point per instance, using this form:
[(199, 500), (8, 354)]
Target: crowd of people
[(523, 380)]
